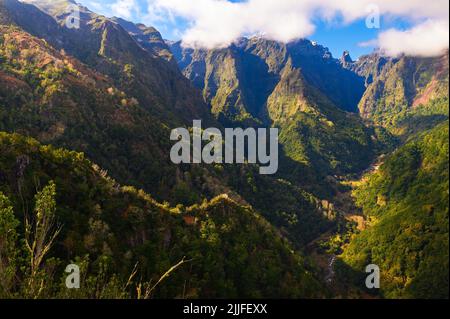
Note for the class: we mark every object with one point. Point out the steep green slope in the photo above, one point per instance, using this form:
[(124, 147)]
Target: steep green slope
[(231, 251), (316, 133), (105, 46), (407, 204), (235, 82), (52, 96), (404, 93), (147, 37), (258, 82), (342, 87)]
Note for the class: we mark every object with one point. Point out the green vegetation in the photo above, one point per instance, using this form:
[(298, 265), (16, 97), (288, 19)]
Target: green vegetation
[(412, 121), (406, 95), (258, 82), (53, 97), (83, 216), (111, 91), (407, 205)]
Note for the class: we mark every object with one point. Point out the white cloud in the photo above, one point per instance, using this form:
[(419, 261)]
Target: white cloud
[(94, 5), (217, 23), (430, 38), (124, 8)]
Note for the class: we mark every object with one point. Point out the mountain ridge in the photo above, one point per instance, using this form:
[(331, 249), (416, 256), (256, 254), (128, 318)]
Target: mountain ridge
[(113, 90)]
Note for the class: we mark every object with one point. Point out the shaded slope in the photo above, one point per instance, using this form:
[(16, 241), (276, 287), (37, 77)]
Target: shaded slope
[(53, 97), (297, 87), (234, 252), (50, 95)]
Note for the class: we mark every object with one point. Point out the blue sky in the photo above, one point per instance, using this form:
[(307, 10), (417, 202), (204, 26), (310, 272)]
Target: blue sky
[(194, 20)]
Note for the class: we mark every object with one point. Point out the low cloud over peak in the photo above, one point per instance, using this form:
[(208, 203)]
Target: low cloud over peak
[(218, 23), (430, 38)]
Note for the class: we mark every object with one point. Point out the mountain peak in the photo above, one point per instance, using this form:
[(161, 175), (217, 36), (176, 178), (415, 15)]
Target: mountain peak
[(346, 58)]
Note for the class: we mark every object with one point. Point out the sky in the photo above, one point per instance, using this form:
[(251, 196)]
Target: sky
[(411, 27)]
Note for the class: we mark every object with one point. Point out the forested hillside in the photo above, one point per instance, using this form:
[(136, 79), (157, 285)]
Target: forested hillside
[(261, 82), (407, 94), (52, 96), (362, 178), (113, 230), (407, 205), (102, 109)]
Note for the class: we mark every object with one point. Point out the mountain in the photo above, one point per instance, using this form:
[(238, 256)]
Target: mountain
[(111, 91), (106, 47), (96, 106), (94, 90), (148, 37), (407, 204), (261, 82), (404, 93), (110, 229), (251, 68)]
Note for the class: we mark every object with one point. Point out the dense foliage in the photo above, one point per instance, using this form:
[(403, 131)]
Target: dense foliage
[(55, 98), (112, 91), (407, 204), (230, 251), (257, 82), (407, 94)]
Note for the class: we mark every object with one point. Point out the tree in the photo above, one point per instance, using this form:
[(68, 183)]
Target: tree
[(40, 233), (8, 247)]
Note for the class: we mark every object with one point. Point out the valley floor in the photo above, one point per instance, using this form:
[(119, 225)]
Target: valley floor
[(348, 212)]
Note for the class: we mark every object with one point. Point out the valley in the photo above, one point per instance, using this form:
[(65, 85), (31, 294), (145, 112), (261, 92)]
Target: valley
[(326, 249), (86, 117)]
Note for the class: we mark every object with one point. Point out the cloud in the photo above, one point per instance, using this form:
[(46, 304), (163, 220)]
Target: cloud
[(124, 8), (430, 38), (217, 23)]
